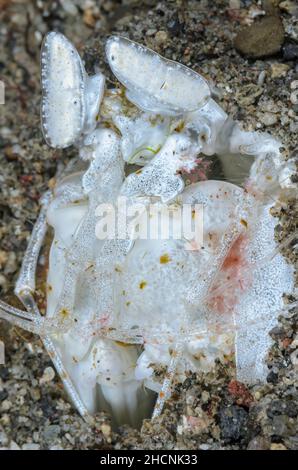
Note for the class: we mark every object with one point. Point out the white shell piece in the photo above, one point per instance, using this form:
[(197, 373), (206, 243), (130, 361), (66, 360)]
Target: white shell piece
[(63, 82), (155, 84)]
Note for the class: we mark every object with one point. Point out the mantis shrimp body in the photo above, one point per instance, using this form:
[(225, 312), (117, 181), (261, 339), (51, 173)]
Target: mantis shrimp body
[(121, 308)]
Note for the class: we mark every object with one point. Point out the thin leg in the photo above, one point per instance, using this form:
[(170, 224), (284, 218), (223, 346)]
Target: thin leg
[(67, 382), (25, 320), (165, 392), (32, 320), (25, 284), (29, 322)]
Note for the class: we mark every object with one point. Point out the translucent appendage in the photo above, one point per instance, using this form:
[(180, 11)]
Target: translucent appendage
[(172, 88)]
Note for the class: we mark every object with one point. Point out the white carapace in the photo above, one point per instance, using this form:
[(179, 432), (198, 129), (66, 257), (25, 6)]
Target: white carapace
[(121, 308), (70, 99)]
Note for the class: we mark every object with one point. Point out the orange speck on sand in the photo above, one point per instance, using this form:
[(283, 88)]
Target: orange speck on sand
[(240, 393), (142, 284), (286, 342)]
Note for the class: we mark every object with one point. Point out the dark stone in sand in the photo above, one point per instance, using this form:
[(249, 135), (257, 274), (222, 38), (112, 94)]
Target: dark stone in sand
[(3, 395), (264, 38), (4, 373), (290, 51), (282, 407), (233, 422), (272, 378), (258, 443), (279, 425), (175, 26)]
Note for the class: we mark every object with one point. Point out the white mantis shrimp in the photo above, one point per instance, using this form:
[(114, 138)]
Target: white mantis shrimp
[(118, 308)]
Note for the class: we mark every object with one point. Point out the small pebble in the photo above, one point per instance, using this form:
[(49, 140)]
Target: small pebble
[(261, 78), (35, 394), (69, 7), (289, 7), (269, 119), (161, 37), (3, 438), (48, 375), (3, 395), (258, 443), (3, 258), (233, 423), (290, 51), (150, 32), (106, 430), (279, 425), (294, 358), (6, 405), (264, 38), (51, 432), (234, 4), (205, 396), (204, 447), (277, 447), (30, 446), (279, 70), (272, 377), (14, 446), (175, 26)]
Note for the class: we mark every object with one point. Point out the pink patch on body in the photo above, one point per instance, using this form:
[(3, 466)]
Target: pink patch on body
[(198, 173), (231, 280)]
